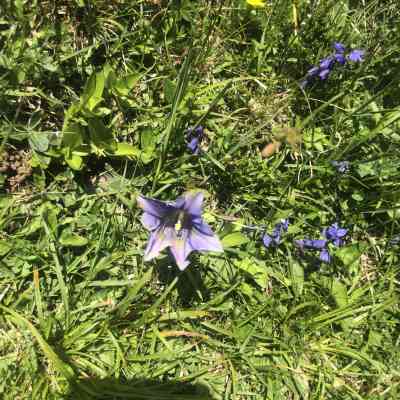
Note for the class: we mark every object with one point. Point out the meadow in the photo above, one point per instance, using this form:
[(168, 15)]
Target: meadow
[(199, 199)]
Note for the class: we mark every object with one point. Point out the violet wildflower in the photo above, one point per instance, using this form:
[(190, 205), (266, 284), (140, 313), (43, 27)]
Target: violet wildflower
[(335, 234), (340, 58), (177, 225), (327, 64), (341, 166), (356, 55), (324, 74), (324, 256), (194, 138), (339, 47), (314, 71), (315, 244), (275, 237)]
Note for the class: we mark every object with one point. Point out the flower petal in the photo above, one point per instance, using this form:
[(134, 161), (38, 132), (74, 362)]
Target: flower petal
[(154, 207), (340, 58), (284, 224), (180, 248), (314, 244), (199, 131), (356, 55), (313, 71), (267, 240), (193, 145), (341, 232), (324, 256), (150, 221), (324, 74), (193, 203), (326, 63), (339, 47), (202, 238), (158, 241)]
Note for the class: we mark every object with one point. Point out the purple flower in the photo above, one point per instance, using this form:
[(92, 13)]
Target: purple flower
[(314, 71), (177, 225), (324, 74), (356, 55), (341, 166), (332, 234), (327, 63), (335, 234), (313, 244), (340, 58), (339, 47), (194, 138), (275, 237), (324, 256)]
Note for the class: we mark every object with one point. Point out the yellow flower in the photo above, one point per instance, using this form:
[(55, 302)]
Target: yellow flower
[(256, 3)]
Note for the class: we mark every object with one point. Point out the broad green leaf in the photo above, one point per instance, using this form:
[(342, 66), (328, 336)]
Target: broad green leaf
[(339, 293), (126, 149), (255, 269), (148, 143), (365, 169), (71, 239), (234, 239), (101, 136), (93, 92), (351, 254), (75, 162), (39, 141), (73, 136), (40, 160), (124, 86), (297, 276), (4, 248)]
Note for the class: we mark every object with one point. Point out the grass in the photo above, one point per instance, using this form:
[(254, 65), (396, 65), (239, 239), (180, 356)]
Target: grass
[(95, 99)]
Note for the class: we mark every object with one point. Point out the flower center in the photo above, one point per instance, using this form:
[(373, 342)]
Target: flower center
[(180, 219)]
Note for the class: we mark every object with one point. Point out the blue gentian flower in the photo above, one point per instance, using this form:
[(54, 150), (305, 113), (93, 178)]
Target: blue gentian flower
[(340, 58), (341, 166), (356, 55), (194, 138), (339, 47), (313, 244), (275, 237), (314, 71), (335, 234), (324, 73), (327, 64), (324, 256), (177, 225)]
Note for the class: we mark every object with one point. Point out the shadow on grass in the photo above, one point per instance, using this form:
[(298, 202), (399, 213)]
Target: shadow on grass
[(190, 286), (110, 389)]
